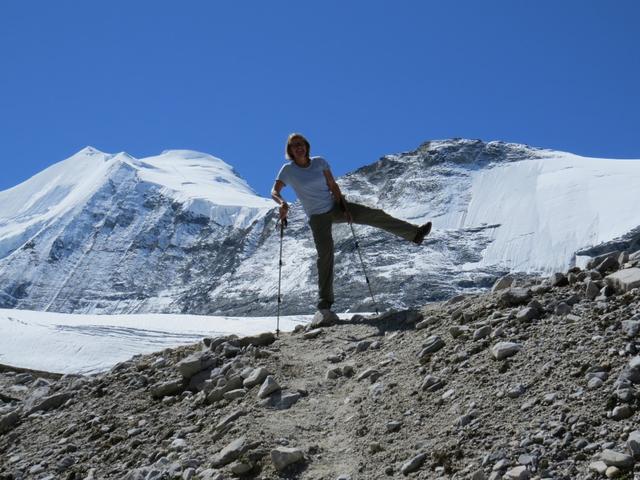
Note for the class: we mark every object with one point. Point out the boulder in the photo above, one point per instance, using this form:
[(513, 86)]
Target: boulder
[(402, 317), (609, 264), (595, 261), (324, 318), (281, 400), (260, 340), (166, 389), (8, 421), (513, 297), (268, 387), (232, 383), (624, 280), (633, 444), (51, 402), (256, 377), (558, 280), (617, 459), (503, 283), (195, 363), (592, 290), (282, 457), (631, 327), (527, 314), (229, 453)]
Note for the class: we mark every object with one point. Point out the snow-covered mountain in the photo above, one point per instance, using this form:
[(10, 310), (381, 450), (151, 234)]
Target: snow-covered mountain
[(181, 232)]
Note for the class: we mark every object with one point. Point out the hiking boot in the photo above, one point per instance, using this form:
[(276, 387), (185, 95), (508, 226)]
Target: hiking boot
[(423, 231)]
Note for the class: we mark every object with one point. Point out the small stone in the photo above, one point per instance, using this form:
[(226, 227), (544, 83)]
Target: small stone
[(413, 464), (172, 387), (502, 350), (516, 391), (594, 383), (234, 394), (517, 473), (311, 334), (229, 419), (393, 426), (598, 466), (633, 444), (375, 447), (431, 383), (348, 370), (621, 412), (478, 475), (562, 309), (371, 373), (240, 468), (503, 283), (188, 474), (457, 331), (178, 444), (613, 472), (631, 328), (431, 345), (482, 332), (426, 323), (592, 290)]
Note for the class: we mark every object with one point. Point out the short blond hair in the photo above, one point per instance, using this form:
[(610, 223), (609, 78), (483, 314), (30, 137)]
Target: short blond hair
[(290, 139)]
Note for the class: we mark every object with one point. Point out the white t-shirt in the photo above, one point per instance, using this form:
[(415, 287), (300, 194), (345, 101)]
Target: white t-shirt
[(310, 185)]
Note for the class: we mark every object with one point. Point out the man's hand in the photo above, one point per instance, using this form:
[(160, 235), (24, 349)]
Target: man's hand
[(284, 210)]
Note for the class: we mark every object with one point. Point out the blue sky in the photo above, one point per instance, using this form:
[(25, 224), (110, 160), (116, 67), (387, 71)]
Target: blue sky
[(360, 78)]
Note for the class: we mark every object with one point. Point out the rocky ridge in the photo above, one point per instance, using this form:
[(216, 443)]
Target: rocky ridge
[(536, 379)]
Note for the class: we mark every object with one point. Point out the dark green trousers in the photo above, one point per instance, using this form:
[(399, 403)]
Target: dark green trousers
[(322, 236)]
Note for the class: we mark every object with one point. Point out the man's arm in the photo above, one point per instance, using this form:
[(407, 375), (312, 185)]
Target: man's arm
[(275, 194)]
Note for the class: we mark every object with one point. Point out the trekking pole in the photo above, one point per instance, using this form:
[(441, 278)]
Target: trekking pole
[(283, 223), (375, 304)]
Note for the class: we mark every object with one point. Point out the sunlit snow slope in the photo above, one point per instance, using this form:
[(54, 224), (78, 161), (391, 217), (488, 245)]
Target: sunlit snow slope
[(68, 343), (546, 209)]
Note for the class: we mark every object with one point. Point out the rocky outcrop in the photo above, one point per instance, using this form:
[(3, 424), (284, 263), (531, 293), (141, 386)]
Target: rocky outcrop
[(467, 389)]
